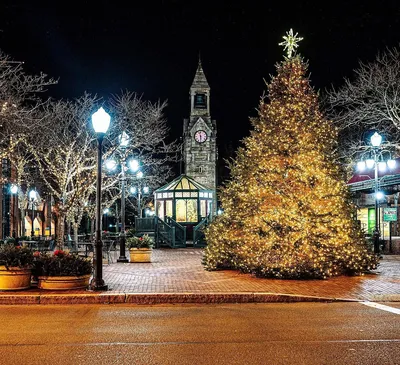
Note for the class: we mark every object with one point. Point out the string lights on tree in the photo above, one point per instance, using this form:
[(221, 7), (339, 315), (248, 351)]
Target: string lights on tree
[(286, 209)]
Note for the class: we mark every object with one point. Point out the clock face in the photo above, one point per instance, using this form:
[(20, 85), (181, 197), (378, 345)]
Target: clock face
[(200, 136)]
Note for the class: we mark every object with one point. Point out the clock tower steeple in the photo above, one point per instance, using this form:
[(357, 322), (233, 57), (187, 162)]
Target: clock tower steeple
[(200, 136)]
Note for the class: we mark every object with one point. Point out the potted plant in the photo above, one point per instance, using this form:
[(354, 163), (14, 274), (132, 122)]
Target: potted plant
[(140, 248), (62, 270), (15, 267)]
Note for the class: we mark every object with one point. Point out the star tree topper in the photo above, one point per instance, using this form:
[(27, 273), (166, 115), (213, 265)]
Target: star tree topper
[(290, 42)]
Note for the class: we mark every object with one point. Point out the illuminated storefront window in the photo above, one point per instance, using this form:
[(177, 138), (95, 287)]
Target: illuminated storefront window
[(180, 200)]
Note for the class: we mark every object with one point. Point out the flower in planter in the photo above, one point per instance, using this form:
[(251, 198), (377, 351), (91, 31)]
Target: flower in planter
[(15, 256), (61, 263), (139, 242)]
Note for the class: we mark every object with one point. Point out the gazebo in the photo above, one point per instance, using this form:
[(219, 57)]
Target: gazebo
[(184, 200)]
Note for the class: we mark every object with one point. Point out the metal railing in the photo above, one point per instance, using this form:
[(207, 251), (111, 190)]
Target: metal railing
[(164, 233), (180, 232), (146, 224), (370, 183), (198, 233)]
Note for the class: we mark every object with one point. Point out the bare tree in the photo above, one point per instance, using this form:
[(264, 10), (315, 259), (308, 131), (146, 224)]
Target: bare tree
[(147, 129), (66, 153), (66, 156), (22, 161), (52, 144), (371, 101), (20, 100), (20, 115)]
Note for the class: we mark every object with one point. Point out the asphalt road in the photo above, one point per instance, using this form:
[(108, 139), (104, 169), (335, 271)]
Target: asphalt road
[(297, 333)]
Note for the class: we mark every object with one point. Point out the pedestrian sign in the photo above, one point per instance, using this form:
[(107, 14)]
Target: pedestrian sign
[(389, 214)]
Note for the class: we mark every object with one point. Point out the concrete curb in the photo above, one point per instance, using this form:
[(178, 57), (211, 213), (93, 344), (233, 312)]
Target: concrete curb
[(159, 298)]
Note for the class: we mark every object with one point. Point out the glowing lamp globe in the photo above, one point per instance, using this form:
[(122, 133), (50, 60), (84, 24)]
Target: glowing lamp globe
[(370, 163), (32, 195), (111, 165), (105, 211), (101, 121), (361, 166), (391, 164), (139, 175), (14, 189), (133, 165), (376, 139), (379, 195), (146, 190), (382, 166), (133, 190)]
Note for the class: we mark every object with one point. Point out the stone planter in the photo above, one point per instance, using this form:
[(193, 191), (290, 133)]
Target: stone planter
[(63, 282), (14, 278), (140, 254)]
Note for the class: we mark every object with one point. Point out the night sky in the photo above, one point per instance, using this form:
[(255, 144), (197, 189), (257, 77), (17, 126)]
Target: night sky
[(152, 47)]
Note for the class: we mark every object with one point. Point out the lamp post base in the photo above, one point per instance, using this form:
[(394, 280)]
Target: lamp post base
[(376, 242), (98, 285), (122, 259)]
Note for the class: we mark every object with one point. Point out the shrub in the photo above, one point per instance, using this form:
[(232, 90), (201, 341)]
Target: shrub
[(15, 256), (61, 263), (139, 242)]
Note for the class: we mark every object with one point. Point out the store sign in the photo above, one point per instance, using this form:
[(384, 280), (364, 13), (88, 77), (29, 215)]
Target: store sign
[(367, 199), (389, 214)]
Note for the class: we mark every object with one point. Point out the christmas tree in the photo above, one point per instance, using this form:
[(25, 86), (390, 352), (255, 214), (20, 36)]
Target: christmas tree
[(287, 211)]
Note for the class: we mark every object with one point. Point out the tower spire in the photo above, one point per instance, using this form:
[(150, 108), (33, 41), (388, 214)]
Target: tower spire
[(200, 81)]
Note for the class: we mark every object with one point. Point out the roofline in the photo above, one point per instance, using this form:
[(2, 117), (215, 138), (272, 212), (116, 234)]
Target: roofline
[(180, 177)]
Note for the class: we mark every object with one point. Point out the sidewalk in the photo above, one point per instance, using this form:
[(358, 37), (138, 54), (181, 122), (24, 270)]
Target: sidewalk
[(177, 276)]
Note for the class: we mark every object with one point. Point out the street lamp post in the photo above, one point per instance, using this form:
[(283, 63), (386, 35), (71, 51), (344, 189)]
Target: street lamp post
[(133, 165), (32, 198), (105, 212), (14, 191), (101, 122), (122, 234), (376, 160), (145, 192)]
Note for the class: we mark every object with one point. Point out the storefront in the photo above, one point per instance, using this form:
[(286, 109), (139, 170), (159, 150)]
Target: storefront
[(362, 187)]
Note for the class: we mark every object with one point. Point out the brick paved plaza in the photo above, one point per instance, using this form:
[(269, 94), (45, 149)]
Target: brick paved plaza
[(177, 276), (181, 271)]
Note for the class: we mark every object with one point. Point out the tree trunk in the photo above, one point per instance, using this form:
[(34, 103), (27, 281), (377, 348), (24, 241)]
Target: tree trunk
[(92, 226), (60, 231), (23, 233), (116, 219), (76, 226)]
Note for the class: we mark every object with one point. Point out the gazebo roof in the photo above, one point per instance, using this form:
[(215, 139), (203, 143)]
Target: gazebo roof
[(182, 182)]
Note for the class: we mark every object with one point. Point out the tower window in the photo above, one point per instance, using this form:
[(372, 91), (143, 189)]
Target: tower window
[(200, 101)]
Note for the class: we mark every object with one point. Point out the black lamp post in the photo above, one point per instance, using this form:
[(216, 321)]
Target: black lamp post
[(376, 160), (14, 192), (122, 234), (32, 198), (133, 166), (140, 191), (105, 212), (101, 122)]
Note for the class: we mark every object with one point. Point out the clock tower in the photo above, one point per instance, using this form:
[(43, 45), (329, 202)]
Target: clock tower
[(200, 136)]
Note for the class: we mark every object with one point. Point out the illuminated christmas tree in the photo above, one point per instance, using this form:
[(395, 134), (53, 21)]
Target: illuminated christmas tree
[(287, 212)]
